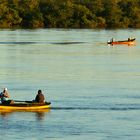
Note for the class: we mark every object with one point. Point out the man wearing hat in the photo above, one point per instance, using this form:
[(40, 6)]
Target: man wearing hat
[(4, 95)]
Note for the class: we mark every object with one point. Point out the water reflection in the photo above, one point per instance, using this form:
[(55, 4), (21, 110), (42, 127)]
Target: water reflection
[(40, 114), (4, 114), (126, 45)]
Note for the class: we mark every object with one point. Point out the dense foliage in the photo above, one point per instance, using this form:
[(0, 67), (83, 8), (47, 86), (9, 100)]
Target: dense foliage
[(69, 13)]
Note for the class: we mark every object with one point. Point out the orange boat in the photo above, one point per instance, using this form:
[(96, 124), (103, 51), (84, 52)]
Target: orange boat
[(127, 42)]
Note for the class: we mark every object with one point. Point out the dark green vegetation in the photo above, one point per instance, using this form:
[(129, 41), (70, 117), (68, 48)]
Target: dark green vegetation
[(69, 13)]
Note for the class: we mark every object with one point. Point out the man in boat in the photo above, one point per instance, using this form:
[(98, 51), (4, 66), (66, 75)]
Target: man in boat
[(5, 98), (129, 39), (40, 97)]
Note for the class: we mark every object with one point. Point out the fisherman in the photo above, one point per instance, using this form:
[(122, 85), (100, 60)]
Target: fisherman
[(5, 98), (40, 97), (129, 39)]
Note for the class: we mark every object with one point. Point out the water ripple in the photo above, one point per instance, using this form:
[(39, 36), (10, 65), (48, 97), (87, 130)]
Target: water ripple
[(27, 42), (66, 43), (96, 108), (21, 43)]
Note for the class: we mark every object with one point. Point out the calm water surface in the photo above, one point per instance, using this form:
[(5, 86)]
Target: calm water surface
[(94, 88)]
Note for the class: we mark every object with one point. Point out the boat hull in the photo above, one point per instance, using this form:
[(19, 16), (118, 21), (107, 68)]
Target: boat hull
[(127, 43), (24, 107)]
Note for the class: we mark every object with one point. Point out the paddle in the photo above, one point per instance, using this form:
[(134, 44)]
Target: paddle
[(23, 101), (48, 103)]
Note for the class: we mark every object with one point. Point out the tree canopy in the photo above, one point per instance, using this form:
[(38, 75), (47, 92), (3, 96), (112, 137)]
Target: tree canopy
[(69, 14)]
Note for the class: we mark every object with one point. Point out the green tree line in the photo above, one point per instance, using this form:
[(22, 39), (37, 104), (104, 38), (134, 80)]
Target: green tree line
[(69, 14)]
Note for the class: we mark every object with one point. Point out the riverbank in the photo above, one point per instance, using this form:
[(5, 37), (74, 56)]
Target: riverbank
[(69, 14)]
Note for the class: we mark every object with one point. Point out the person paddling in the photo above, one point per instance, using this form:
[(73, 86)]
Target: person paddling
[(5, 98)]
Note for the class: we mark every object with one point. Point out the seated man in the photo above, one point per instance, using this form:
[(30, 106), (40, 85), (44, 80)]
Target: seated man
[(40, 97), (129, 39), (5, 98)]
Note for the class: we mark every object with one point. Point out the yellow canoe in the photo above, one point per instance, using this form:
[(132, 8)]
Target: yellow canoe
[(24, 107)]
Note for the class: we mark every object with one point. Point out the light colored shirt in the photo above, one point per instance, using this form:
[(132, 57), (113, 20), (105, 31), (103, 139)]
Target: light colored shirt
[(3, 98)]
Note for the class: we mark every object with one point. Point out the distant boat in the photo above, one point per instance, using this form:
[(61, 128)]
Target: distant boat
[(130, 41)]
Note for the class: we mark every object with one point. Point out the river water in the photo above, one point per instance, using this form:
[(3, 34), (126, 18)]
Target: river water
[(94, 88)]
